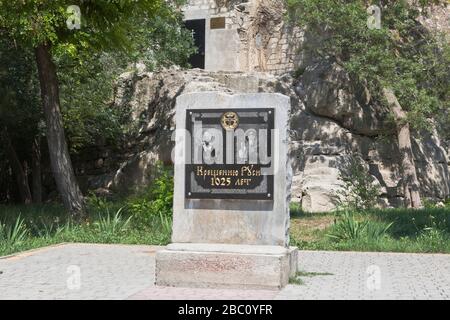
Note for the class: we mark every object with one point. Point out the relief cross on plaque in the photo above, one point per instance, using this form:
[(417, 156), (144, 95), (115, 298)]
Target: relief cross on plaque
[(230, 154)]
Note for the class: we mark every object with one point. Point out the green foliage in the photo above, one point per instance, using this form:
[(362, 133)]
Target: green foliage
[(156, 201), (377, 230), (150, 209), (348, 227), (113, 36), (28, 227), (425, 230), (20, 110), (410, 223), (87, 88), (433, 229), (358, 190), (162, 191), (14, 233), (299, 281), (401, 55), (111, 224), (391, 230), (296, 280), (105, 24), (88, 80), (433, 238), (45, 230), (295, 209), (447, 203), (134, 28), (19, 102), (163, 41)]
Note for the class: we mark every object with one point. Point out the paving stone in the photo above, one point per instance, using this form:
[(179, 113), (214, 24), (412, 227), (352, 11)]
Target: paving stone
[(127, 272)]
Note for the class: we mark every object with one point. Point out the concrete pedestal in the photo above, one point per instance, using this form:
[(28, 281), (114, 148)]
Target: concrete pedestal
[(225, 266)]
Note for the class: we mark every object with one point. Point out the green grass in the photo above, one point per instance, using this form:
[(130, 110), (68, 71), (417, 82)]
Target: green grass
[(38, 226), (139, 222), (393, 230), (312, 274), (296, 280), (299, 281), (144, 217)]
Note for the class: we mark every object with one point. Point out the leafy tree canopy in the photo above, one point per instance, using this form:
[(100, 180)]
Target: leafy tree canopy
[(401, 54), (112, 35), (104, 23), (19, 102)]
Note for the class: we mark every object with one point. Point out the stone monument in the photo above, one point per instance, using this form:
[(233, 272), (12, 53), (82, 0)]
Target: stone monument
[(232, 192)]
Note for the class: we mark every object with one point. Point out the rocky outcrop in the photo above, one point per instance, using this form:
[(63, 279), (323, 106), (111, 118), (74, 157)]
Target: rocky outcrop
[(332, 118), (330, 122), (339, 121), (150, 98)]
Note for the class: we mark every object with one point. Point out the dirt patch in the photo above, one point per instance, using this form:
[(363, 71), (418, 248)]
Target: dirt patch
[(310, 228)]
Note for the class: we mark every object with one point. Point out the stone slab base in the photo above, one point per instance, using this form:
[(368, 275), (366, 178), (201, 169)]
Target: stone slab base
[(225, 266)]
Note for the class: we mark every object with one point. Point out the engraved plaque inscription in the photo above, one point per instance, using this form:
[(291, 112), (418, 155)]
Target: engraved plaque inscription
[(230, 154)]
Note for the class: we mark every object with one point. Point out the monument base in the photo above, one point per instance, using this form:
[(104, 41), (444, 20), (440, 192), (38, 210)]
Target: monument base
[(225, 266)]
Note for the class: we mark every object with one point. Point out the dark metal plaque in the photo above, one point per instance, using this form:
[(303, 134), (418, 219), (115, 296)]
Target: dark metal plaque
[(217, 23), (229, 154)]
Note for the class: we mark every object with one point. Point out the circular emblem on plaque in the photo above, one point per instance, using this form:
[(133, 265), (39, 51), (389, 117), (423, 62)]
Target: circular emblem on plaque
[(229, 120)]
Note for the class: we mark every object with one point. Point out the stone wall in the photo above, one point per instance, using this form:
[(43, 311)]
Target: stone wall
[(256, 36), (269, 44)]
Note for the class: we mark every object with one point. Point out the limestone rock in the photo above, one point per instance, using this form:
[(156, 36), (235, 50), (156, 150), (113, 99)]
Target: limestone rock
[(330, 121), (327, 91)]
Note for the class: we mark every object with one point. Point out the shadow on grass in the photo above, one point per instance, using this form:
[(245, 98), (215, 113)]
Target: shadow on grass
[(296, 212), (410, 223), (29, 227)]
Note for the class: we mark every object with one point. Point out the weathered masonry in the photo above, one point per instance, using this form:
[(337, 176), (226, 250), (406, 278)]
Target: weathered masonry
[(236, 35)]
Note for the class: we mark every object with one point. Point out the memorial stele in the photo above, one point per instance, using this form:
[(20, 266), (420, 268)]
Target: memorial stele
[(232, 193), (232, 171)]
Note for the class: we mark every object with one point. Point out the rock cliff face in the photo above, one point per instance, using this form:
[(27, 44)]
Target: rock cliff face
[(330, 121)]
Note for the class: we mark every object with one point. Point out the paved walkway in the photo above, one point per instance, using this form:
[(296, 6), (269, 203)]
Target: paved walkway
[(81, 271)]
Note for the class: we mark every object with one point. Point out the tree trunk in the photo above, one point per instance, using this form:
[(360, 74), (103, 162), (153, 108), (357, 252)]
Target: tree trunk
[(410, 182), (21, 177), (60, 161), (36, 170)]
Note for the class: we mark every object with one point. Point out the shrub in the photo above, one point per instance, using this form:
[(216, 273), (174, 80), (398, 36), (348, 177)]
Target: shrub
[(155, 204), (348, 227), (432, 239), (45, 229), (358, 191), (14, 233), (447, 203), (377, 230), (112, 224)]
